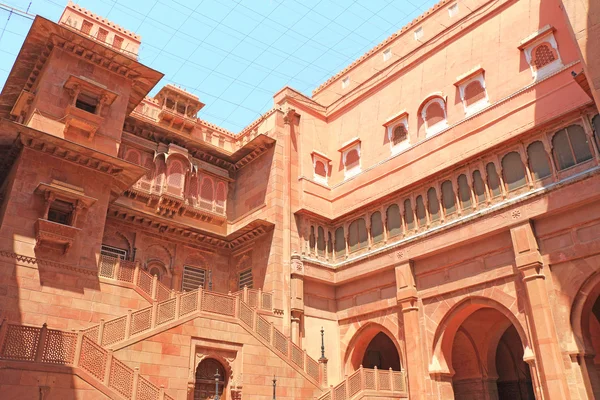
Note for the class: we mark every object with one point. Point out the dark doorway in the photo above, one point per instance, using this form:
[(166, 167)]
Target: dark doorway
[(381, 353), (204, 388)]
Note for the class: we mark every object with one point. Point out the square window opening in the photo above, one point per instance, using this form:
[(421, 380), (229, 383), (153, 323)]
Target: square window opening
[(87, 103), (387, 54), (60, 212), (453, 10), (418, 33)]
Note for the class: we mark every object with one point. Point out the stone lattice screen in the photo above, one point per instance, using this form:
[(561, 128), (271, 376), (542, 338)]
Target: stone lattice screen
[(380, 382), (50, 346)]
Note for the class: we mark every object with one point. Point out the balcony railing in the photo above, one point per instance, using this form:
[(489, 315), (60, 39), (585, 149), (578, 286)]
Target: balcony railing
[(29, 344), (377, 382), (256, 298)]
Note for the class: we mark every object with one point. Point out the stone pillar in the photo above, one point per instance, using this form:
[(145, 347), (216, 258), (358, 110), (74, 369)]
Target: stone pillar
[(547, 351), (406, 296), (297, 297)]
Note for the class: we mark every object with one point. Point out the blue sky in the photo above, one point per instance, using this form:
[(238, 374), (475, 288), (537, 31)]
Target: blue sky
[(234, 55)]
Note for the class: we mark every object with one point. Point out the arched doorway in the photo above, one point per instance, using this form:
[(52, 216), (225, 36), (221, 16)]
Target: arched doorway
[(381, 353), (204, 386), (373, 346), (585, 321), (487, 359)]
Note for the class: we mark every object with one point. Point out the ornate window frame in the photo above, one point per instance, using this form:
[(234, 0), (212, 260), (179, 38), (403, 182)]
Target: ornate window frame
[(346, 148), (320, 157), (475, 75), (440, 126), (529, 44), (390, 125)]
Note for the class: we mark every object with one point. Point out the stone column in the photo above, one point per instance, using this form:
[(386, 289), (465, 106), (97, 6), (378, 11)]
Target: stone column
[(547, 351), (406, 296), (297, 297)]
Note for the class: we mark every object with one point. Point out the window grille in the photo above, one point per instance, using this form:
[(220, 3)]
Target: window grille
[(246, 279), (193, 278), (113, 252)]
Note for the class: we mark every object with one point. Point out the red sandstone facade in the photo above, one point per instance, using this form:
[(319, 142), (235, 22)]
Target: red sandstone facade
[(433, 207)]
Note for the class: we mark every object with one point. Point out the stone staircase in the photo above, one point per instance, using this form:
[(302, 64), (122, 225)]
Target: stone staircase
[(367, 383), (89, 352), (33, 348), (246, 307)]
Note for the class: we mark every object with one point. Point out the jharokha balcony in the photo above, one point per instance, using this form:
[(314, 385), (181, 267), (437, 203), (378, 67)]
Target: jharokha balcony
[(54, 235)]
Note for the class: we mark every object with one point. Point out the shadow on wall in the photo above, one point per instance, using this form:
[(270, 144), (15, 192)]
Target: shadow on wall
[(250, 187)]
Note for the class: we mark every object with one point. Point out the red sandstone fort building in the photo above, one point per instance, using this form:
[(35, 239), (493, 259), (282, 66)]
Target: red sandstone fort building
[(425, 226)]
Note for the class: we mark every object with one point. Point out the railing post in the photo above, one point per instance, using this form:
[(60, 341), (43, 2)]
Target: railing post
[(117, 269), (255, 319), (272, 335), (200, 298), (154, 287), (161, 392), (136, 380), (128, 324), (304, 363), (177, 305), (245, 294), (259, 302), (236, 312), (346, 386), (173, 293), (154, 312), (376, 378), (362, 377), (391, 380), (323, 370), (100, 331), (77, 348), (40, 348), (109, 358), (136, 274)]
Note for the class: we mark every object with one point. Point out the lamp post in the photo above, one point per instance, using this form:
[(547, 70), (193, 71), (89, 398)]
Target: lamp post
[(322, 342), (217, 376), (274, 387)]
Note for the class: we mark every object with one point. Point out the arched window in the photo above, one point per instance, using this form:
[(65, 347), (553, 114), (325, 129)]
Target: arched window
[(321, 241), (193, 190), (409, 217), (493, 180), (220, 198), (543, 55), (464, 192), (513, 171), (206, 193), (376, 227), (357, 235), (474, 92), (329, 244), (538, 161), (434, 115), (175, 178), (399, 134), (394, 224), (448, 198), (340, 242), (133, 156), (160, 176), (320, 169), (433, 204), (478, 187), (312, 239), (570, 146), (352, 159), (421, 216)]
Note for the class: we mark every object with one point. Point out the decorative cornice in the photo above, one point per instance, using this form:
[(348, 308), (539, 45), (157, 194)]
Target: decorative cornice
[(36, 262), (162, 226)]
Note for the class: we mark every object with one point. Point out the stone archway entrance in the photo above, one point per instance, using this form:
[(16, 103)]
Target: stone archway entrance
[(381, 353), (487, 359), (204, 386)]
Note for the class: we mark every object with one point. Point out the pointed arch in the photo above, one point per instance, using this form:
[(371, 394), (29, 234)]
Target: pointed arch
[(443, 339)]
